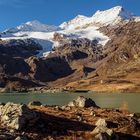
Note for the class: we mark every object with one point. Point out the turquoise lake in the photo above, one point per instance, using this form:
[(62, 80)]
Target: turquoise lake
[(104, 100)]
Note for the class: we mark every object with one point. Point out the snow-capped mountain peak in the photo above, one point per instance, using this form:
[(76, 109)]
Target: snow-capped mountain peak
[(33, 23), (33, 26), (123, 13), (74, 22), (111, 16)]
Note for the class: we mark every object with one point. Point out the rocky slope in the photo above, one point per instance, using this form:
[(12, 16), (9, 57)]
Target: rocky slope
[(112, 67)]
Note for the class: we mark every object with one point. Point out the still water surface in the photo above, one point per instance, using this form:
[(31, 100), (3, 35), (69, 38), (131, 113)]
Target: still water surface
[(105, 100)]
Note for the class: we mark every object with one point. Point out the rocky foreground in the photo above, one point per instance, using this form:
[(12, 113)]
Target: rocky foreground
[(81, 119)]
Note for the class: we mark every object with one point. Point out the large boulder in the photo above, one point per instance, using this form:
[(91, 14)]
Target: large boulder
[(82, 102), (102, 132), (17, 116), (102, 129)]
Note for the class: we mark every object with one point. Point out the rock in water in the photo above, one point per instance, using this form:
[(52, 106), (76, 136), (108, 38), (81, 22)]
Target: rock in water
[(17, 116), (82, 102), (35, 103)]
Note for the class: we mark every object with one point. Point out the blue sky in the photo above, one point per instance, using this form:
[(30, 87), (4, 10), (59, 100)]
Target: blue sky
[(15, 12)]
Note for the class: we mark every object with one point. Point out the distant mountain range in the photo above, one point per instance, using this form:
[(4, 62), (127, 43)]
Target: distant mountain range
[(79, 27), (92, 50)]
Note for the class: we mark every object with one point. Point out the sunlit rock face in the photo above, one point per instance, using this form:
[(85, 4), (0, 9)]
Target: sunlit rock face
[(16, 116)]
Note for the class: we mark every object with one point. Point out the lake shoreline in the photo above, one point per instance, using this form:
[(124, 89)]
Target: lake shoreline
[(73, 90), (108, 100)]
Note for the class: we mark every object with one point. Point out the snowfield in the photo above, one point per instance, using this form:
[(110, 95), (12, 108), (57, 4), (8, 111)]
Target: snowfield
[(45, 39)]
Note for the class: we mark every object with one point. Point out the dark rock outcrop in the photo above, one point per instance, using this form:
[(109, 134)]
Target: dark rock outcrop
[(48, 69), (19, 48)]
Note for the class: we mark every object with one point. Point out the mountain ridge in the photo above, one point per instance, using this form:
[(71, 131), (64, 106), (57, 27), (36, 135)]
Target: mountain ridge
[(34, 25), (96, 17), (79, 27), (115, 14)]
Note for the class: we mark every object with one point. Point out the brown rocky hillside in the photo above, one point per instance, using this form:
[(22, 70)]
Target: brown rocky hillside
[(76, 64)]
